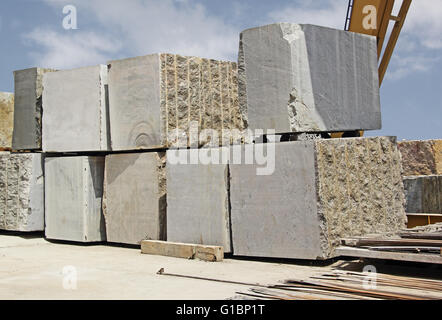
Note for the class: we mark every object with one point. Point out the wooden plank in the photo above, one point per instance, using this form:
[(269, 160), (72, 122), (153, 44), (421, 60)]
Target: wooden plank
[(421, 235), (393, 39), (182, 250), (396, 256), (365, 242)]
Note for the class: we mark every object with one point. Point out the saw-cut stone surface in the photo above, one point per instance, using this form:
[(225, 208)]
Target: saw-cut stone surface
[(421, 157), (75, 110), (152, 96), (198, 202), (28, 108), (321, 191), (6, 120), (306, 78), (73, 198), (21, 192), (134, 201), (423, 194)]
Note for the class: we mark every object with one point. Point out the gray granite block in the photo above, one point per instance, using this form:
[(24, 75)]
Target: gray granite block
[(134, 201), (306, 78), (75, 116), (73, 199)]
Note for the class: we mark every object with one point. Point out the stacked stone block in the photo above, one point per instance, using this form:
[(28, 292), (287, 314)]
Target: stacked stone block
[(152, 96), (305, 78), (321, 191), (6, 120), (134, 201), (73, 198), (422, 173), (21, 192), (28, 109), (75, 110)]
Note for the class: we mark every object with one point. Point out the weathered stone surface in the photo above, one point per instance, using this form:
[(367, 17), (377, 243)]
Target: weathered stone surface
[(73, 199), (306, 78), (198, 202), (21, 192), (421, 157), (151, 96), (28, 108), (423, 194), (6, 120), (321, 191), (75, 110), (134, 201)]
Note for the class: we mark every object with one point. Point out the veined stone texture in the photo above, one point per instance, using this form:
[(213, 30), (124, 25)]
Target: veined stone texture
[(134, 200), (321, 191), (73, 199), (306, 78), (21, 192), (423, 194), (6, 119), (152, 96), (28, 108), (198, 201), (75, 110), (421, 157)]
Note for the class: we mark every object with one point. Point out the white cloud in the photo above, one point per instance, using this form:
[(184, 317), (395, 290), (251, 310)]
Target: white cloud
[(405, 66), (64, 50), (140, 27), (324, 13)]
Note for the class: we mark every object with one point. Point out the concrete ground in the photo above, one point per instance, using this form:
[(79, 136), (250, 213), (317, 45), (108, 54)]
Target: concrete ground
[(33, 268)]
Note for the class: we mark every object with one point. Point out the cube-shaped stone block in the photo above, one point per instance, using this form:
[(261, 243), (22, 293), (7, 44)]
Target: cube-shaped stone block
[(134, 201), (6, 120), (306, 78), (73, 199), (75, 111), (21, 192), (152, 96), (198, 201), (423, 194), (421, 157), (320, 191), (28, 108)]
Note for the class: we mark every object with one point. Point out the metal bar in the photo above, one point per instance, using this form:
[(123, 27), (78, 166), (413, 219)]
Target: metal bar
[(384, 25), (348, 17), (393, 40)]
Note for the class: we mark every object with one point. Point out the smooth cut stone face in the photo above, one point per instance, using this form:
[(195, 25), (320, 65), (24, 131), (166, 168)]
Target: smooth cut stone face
[(306, 78), (423, 194), (75, 111), (73, 199), (134, 197), (197, 202), (421, 157)]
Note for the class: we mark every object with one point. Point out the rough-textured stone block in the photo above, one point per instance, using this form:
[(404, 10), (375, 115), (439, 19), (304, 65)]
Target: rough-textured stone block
[(321, 191), (423, 194), (421, 157), (21, 192), (28, 108), (305, 78), (198, 202), (6, 120), (75, 110), (134, 201), (73, 199), (151, 96)]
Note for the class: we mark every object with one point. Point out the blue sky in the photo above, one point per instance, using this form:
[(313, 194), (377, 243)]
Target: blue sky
[(32, 35)]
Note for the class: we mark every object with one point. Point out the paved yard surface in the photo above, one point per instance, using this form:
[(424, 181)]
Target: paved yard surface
[(32, 268)]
